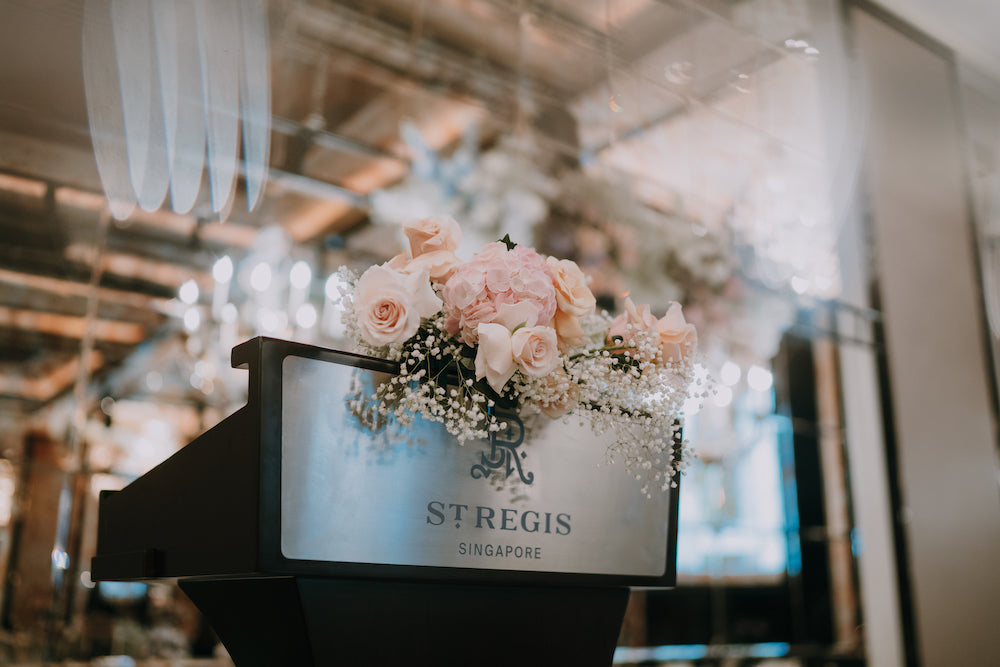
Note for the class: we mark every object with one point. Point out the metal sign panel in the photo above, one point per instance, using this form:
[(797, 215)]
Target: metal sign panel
[(413, 496)]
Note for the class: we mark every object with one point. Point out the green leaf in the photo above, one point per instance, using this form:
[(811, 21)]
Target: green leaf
[(507, 242), (522, 324)]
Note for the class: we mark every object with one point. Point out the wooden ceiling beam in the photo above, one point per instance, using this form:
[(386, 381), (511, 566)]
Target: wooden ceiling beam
[(23, 186), (143, 268), (49, 385), (433, 65), (441, 121), (49, 161), (332, 140), (30, 353), (187, 226), (25, 290), (62, 246), (69, 287), (54, 264), (69, 326), (30, 164)]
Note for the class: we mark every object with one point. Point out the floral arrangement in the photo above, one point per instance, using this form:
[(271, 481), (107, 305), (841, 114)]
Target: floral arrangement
[(513, 330)]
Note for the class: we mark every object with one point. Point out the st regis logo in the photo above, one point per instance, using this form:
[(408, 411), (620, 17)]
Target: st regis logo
[(498, 518)]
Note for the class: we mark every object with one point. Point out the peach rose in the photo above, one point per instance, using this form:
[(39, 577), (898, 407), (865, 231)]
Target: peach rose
[(389, 304), (678, 338), (568, 329), (535, 350), (494, 359), (398, 262), (573, 297), (431, 234), (565, 394), (639, 317), (440, 265)]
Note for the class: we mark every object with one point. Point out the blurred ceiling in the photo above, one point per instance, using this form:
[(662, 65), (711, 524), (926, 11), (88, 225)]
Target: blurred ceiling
[(967, 26), (641, 77)]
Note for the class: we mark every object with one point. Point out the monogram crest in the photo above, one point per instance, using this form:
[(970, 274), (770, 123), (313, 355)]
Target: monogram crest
[(504, 457)]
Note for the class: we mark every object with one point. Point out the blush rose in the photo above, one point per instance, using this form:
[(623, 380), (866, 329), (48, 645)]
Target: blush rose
[(678, 338), (389, 304), (535, 350), (494, 359)]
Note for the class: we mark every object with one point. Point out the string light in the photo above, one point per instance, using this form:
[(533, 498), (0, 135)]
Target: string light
[(759, 379), (188, 292), (730, 373), (260, 277), (222, 270), (723, 396), (192, 320), (301, 275), (306, 316)]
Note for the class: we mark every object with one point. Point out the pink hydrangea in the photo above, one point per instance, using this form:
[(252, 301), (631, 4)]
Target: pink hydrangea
[(509, 287)]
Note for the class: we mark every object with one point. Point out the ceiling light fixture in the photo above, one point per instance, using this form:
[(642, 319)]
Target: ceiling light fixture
[(169, 87)]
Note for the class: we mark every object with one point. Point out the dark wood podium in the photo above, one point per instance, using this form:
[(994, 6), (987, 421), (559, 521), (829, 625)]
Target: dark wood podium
[(307, 539)]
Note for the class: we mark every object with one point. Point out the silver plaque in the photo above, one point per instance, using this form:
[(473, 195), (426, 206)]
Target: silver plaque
[(413, 496)]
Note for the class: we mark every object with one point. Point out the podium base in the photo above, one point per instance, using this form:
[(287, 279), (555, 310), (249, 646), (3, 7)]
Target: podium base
[(307, 621)]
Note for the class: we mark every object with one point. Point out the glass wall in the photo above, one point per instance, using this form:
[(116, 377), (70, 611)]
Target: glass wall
[(701, 152)]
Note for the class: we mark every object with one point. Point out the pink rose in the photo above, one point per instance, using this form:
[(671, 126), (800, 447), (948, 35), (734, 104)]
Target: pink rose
[(678, 338), (494, 359), (389, 304), (573, 297), (638, 317), (563, 394), (431, 234), (535, 350)]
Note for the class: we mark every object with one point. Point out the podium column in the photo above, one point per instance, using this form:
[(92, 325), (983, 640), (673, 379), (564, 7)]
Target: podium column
[(307, 621)]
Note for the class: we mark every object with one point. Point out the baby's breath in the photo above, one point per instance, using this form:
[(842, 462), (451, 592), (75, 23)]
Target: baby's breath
[(628, 392)]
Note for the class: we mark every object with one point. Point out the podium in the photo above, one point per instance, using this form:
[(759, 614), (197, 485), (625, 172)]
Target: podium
[(308, 536)]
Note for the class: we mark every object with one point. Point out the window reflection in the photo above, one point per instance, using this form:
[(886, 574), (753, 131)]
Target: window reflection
[(732, 520)]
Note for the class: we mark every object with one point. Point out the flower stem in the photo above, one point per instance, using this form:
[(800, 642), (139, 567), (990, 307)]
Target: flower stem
[(606, 348)]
